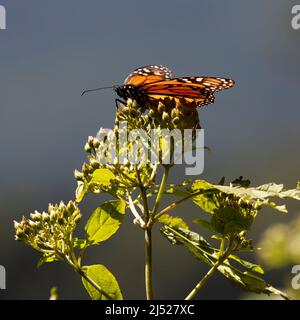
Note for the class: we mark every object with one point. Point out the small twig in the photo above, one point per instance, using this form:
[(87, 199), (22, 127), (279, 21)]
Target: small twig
[(80, 271), (126, 176), (173, 206), (148, 241), (153, 173), (144, 195), (161, 189), (135, 213)]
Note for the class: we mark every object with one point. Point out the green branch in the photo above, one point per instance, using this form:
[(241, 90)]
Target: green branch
[(173, 206), (211, 271)]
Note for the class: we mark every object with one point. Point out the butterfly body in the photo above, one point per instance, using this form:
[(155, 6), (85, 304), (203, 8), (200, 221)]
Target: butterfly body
[(152, 84), (132, 92)]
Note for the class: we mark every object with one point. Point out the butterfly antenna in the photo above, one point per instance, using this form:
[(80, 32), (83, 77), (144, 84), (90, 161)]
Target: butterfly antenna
[(96, 89)]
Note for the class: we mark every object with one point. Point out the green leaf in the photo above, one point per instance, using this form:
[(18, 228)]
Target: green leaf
[(81, 191), (104, 279), (79, 243), (293, 194), (248, 281), (193, 241), (205, 224), (46, 259), (177, 190), (271, 188), (102, 177), (203, 251), (247, 264), (217, 237), (202, 185), (174, 222), (256, 197), (105, 221), (208, 200)]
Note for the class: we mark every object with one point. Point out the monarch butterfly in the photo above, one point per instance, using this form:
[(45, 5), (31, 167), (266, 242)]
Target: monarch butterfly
[(151, 84)]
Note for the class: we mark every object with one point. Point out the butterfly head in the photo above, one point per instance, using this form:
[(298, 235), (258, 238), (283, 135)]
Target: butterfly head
[(121, 91), (128, 92)]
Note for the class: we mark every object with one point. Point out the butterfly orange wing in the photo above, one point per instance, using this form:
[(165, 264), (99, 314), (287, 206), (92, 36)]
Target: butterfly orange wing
[(148, 74), (199, 90)]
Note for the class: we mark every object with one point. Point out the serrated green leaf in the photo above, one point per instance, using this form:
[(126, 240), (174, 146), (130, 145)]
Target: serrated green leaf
[(193, 241), (104, 279), (293, 194), (249, 265), (202, 185), (259, 196), (207, 201), (105, 221), (174, 222), (271, 188)]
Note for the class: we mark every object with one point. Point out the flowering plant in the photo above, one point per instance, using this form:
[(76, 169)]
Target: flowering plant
[(126, 173)]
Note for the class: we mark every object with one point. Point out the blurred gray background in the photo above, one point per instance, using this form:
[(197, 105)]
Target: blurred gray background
[(52, 50)]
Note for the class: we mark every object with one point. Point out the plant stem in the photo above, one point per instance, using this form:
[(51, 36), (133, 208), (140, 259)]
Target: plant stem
[(148, 265), (134, 211), (148, 232), (222, 247), (74, 264), (202, 282), (161, 189), (144, 194), (174, 205), (222, 257), (148, 241)]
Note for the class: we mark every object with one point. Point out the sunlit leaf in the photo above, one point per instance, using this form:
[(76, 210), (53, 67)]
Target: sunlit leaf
[(79, 243), (174, 222), (207, 201), (257, 197), (105, 221), (175, 190), (104, 279), (47, 259), (249, 265), (102, 177)]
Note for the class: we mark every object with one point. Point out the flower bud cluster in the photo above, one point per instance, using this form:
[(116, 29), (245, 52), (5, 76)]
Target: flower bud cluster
[(52, 231)]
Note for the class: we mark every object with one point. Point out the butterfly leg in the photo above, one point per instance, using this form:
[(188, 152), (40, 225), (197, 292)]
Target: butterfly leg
[(119, 101)]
